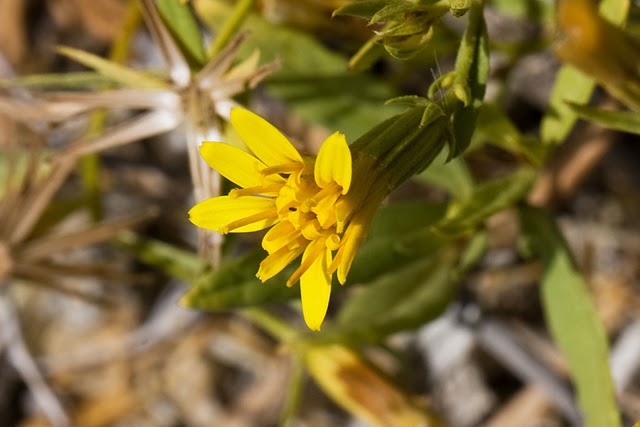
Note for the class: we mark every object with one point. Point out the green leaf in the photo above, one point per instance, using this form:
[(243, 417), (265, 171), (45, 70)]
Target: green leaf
[(459, 7), (488, 198), (405, 144), (572, 86), (471, 75), (404, 299), (537, 10), (494, 127), (399, 234), (249, 293), (404, 218), (615, 11), (402, 29), (573, 320), (365, 8), (366, 56), (176, 262), (233, 284), (113, 70), (184, 28), (452, 176), (625, 121), (78, 80), (393, 10), (473, 253)]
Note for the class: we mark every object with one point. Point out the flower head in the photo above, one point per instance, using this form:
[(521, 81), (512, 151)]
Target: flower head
[(309, 203)]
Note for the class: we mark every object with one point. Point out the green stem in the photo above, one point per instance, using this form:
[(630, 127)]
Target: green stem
[(276, 327), (294, 394), (231, 26)]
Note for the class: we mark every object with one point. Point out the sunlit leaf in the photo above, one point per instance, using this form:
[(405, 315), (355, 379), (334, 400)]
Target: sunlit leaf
[(403, 299), (452, 176), (572, 85), (113, 70), (471, 75), (77, 80), (365, 8), (183, 26), (538, 10), (459, 7), (494, 127), (573, 320), (399, 234), (488, 198), (176, 262), (626, 121), (234, 285)]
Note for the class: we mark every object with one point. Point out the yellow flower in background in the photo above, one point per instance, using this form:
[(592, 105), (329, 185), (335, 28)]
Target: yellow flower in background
[(309, 202), (599, 48)]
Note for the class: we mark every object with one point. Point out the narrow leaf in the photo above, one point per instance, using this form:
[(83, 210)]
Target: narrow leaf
[(77, 80), (113, 70), (184, 28), (364, 8), (573, 86), (625, 121), (178, 66), (573, 320), (487, 199), (494, 127), (402, 300), (471, 76), (176, 262), (452, 176)]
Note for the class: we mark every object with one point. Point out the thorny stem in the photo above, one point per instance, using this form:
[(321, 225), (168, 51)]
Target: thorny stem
[(231, 26), (202, 124), (40, 198)]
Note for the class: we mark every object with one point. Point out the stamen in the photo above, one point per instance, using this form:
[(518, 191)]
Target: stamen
[(333, 242), (330, 190), (314, 253), (251, 191), (277, 261), (271, 213), (335, 263), (286, 168)]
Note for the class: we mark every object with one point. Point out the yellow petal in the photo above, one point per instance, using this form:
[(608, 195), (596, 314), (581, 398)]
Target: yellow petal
[(275, 262), (315, 289), (236, 165), (263, 139), (218, 212), (352, 239), (334, 163), (282, 234)]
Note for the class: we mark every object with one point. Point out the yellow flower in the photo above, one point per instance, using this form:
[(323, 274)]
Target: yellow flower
[(599, 48), (310, 203)]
